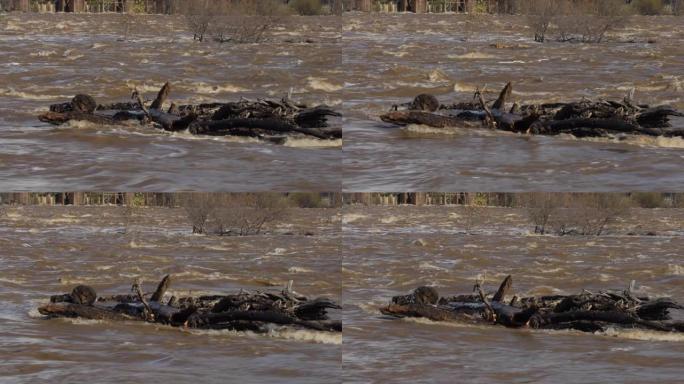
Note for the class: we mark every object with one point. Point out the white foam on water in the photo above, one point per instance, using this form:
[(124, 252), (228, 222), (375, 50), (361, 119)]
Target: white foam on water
[(352, 217), (320, 337), (277, 333), (299, 270), (395, 53), (15, 281), (427, 266), (302, 142), (205, 88), (389, 219), (11, 92), (643, 335), (135, 245), (471, 56), (638, 140), (676, 270), (438, 76), (323, 84), (43, 53)]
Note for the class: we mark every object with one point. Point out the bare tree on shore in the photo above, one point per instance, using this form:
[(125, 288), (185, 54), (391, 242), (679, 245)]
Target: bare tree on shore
[(239, 214), (540, 15), (247, 21), (586, 21)]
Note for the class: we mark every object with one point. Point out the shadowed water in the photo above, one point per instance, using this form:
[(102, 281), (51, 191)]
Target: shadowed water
[(51, 250), (389, 59), (49, 58), (391, 251)]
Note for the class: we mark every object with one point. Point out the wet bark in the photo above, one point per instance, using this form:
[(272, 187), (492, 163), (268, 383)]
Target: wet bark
[(587, 311), (271, 120), (243, 311), (582, 119)]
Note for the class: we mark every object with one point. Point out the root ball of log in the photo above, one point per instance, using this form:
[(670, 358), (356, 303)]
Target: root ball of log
[(421, 295), (84, 104), (585, 118), (587, 311), (83, 294), (425, 102)]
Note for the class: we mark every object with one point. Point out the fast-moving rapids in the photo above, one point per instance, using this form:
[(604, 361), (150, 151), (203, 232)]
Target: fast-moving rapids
[(391, 251), (389, 59), (48, 58), (51, 250)]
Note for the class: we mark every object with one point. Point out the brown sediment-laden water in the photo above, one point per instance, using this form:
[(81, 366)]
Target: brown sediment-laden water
[(388, 251), (389, 59), (49, 58), (52, 250)]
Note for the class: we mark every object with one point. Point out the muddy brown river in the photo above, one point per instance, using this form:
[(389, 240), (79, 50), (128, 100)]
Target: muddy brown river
[(50, 250), (389, 59), (391, 251), (360, 63), (49, 58)]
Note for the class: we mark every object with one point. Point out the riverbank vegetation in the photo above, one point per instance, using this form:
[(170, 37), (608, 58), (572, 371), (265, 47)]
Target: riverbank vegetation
[(561, 214)]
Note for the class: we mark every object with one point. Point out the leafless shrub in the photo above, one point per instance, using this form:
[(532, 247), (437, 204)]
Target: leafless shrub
[(648, 199), (649, 7), (474, 209), (588, 214), (677, 7), (306, 199), (307, 7), (588, 21), (199, 14), (540, 15), (677, 200), (247, 21), (197, 207), (246, 214), (540, 208)]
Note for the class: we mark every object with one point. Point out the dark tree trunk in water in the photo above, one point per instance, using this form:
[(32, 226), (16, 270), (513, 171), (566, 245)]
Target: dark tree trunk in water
[(270, 120), (586, 311), (581, 119), (242, 311)]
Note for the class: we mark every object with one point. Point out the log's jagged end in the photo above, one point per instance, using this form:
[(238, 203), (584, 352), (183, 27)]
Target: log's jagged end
[(587, 312)]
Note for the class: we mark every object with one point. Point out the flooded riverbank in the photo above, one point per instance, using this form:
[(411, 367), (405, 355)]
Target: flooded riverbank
[(51, 57), (389, 59), (49, 250), (389, 251)]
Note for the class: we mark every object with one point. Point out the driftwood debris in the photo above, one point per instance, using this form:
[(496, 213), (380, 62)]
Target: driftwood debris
[(586, 311), (243, 311), (271, 120), (584, 118)]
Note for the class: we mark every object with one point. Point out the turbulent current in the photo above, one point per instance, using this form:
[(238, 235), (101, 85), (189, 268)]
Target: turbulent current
[(389, 59), (49, 58), (49, 251), (391, 251), (361, 64)]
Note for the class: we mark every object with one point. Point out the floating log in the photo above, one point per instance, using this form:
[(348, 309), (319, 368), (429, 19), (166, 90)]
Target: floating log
[(584, 118), (271, 120), (252, 311), (587, 311)]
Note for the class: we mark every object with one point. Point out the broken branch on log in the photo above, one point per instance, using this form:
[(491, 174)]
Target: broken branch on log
[(271, 120), (582, 119), (252, 311), (587, 312)]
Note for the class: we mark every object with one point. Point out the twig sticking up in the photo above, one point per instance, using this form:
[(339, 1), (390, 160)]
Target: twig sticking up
[(489, 121), (503, 97), (136, 96), (161, 289), (489, 313), (137, 289)]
